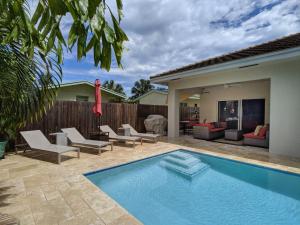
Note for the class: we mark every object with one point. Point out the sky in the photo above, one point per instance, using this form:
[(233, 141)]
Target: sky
[(166, 34)]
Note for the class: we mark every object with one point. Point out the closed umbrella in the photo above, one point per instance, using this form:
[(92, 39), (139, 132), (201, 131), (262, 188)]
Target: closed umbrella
[(97, 109)]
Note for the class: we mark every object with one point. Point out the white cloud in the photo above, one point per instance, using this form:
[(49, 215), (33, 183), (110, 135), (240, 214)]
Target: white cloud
[(165, 34), (171, 33)]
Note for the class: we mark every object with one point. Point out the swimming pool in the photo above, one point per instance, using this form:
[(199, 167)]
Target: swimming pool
[(188, 188)]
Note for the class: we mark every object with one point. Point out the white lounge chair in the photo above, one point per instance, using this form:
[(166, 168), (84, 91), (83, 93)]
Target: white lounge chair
[(134, 133), (37, 141), (79, 141), (114, 136)]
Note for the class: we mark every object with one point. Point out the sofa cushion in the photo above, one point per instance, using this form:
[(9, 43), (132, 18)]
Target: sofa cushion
[(209, 125), (263, 131), (253, 136), (216, 129)]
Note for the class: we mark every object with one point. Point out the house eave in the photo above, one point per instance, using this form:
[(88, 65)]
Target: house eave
[(255, 60), (148, 93), (92, 85)]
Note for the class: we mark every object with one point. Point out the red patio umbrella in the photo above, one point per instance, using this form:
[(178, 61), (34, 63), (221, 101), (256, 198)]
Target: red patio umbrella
[(97, 109)]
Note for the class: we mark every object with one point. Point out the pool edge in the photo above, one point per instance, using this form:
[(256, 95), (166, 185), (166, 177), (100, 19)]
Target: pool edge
[(255, 164)]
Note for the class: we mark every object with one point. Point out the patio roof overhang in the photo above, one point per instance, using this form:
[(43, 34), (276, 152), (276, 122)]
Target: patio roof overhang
[(237, 64), (278, 50)]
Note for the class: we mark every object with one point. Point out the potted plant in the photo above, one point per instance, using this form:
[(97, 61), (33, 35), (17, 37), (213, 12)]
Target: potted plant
[(3, 138), (6, 133), (3, 142)]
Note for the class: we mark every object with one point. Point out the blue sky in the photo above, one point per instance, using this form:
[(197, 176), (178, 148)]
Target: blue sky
[(165, 34)]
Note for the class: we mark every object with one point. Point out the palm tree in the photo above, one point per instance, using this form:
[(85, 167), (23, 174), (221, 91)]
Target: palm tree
[(141, 87), (110, 84)]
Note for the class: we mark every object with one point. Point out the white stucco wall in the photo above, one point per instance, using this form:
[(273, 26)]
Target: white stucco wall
[(154, 98), (285, 111), (284, 99), (69, 93)]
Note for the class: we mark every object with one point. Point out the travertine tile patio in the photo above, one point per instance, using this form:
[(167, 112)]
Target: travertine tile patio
[(37, 191)]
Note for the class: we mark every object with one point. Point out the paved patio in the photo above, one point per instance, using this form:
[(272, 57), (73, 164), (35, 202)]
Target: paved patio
[(37, 191)]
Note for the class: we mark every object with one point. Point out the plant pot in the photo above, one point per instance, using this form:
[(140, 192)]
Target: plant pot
[(2, 148)]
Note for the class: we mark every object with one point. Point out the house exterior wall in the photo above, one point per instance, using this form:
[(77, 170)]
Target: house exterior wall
[(154, 98), (249, 90), (69, 93), (284, 99)]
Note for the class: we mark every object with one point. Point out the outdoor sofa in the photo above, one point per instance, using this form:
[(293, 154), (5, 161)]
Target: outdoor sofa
[(209, 131), (259, 140), (37, 141)]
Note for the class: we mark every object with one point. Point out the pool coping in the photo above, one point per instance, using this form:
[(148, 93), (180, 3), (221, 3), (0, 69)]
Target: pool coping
[(250, 162)]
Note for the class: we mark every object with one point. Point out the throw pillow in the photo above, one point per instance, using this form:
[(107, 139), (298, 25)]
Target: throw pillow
[(257, 129), (262, 132)]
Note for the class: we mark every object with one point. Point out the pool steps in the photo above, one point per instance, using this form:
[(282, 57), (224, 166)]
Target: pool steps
[(184, 163)]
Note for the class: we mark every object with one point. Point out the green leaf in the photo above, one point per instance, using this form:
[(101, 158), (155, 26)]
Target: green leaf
[(92, 7), (58, 7), (44, 20), (51, 40), (120, 7), (59, 53), (60, 37), (72, 35), (106, 54), (91, 43), (37, 14), (109, 33), (97, 53)]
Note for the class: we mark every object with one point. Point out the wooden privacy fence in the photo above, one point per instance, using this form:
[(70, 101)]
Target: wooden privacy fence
[(79, 114)]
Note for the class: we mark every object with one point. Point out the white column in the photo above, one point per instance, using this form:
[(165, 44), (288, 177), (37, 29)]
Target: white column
[(173, 113), (284, 114)]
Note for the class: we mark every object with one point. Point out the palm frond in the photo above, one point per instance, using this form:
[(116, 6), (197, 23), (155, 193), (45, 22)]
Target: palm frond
[(27, 86)]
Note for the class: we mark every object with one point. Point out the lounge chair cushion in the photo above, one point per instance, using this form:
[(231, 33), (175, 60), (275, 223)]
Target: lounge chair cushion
[(113, 135), (36, 140), (77, 139), (133, 132), (73, 135)]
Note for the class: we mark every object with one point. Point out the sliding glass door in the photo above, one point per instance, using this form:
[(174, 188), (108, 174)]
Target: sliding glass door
[(253, 114), (229, 112)]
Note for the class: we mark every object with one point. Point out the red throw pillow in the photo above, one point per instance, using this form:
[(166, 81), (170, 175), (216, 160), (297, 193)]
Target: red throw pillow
[(262, 132)]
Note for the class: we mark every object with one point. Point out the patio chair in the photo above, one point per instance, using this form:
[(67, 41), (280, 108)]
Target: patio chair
[(37, 141), (134, 133), (114, 136), (79, 141)]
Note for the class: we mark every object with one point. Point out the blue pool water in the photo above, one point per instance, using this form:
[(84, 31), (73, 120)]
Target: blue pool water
[(224, 192)]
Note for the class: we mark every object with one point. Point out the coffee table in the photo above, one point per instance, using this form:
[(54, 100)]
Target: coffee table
[(233, 134)]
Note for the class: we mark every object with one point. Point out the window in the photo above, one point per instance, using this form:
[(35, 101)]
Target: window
[(80, 98)]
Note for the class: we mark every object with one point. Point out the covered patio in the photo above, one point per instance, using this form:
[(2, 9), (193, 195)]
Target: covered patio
[(271, 72)]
